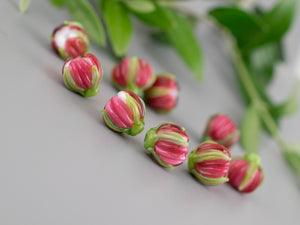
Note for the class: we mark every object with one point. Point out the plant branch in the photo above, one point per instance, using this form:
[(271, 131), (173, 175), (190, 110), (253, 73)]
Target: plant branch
[(243, 75)]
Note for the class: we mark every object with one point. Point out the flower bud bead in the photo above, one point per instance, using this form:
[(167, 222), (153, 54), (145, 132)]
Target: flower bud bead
[(168, 144), (70, 40), (133, 74), (125, 113), (163, 94), (222, 130), (83, 75), (245, 174), (209, 163)]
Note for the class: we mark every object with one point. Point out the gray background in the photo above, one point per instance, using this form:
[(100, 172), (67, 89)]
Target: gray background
[(59, 163)]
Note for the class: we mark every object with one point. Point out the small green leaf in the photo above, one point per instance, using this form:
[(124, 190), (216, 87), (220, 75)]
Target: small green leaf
[(241, 24), (160, 37), (250, 131), (23, 5), (292, 156), (262, 61), (278, 21), (160, 18), (293, 160), (118, 25), (288, 107), (262, 91), (57, 3), (184, 40), (144, 6), (83, 12)]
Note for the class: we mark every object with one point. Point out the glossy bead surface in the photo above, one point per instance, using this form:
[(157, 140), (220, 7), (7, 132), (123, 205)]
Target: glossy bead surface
[(209, 163), (168, 144), (245, 174), (162, 96), (83, 75), (125, 113), (133, 74), (70, 40), (222, 130)]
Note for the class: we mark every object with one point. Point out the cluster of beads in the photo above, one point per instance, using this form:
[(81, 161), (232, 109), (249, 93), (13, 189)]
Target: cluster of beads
[(134, 74), (210, 163)]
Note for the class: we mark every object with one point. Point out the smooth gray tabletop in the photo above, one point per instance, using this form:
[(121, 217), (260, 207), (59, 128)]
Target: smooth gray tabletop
[(60, 165)]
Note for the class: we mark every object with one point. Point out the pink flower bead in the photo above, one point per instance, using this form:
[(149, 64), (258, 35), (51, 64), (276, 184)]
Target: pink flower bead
[(133, 74), (163, 94), (245, 174), (83, 75), (125, 113), (209, 163), (70, 40), (168, 144), (222, 130)]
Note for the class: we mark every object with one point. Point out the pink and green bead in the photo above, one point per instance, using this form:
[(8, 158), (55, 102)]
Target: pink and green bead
[(70, 40), (245, 174), (209, 163), (133, 74), (168, 144), (222, 129), (162, 96), (125, 113), (83, 75)]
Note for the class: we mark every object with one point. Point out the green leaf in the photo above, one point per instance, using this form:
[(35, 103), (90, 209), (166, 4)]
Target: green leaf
[(160, 37), (160, 18), (144, 6), (288, 107), (259, 87), (241, 24), (23, 5), (250, 131), (262, 92), (118, 25), (293, 160), (291, 154), (183, 39), (262, 61), (264, 97), (278, 21), (57, 3), (82, 11)]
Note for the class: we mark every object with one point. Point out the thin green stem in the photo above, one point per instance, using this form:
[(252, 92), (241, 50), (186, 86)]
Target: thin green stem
[(259, 104), (243, 74)]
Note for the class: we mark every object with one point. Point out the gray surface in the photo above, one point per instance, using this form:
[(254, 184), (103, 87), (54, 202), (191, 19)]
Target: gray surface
[(60, 165)]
